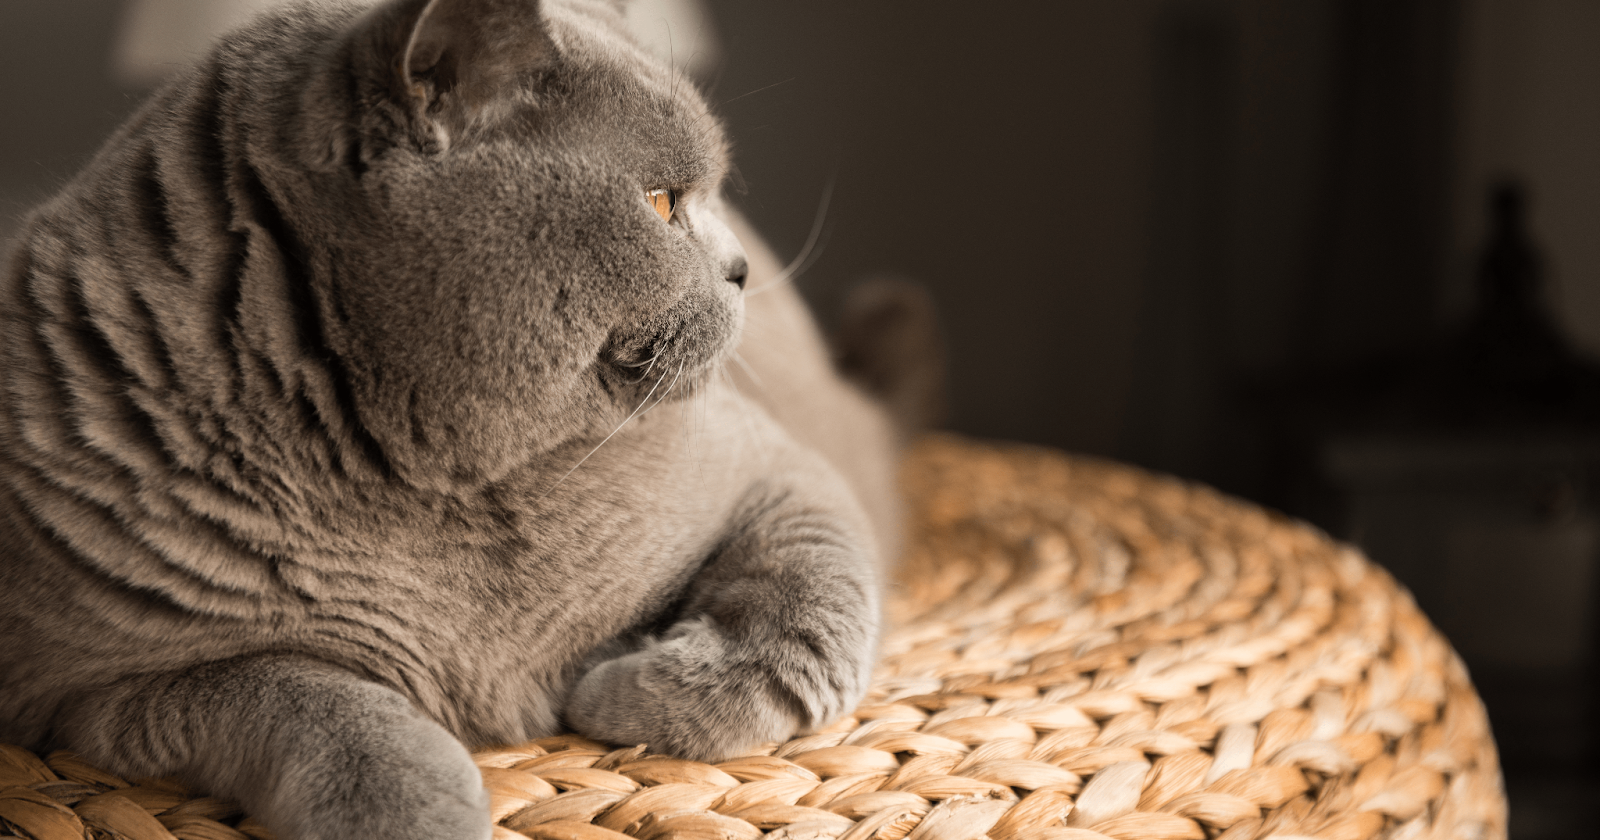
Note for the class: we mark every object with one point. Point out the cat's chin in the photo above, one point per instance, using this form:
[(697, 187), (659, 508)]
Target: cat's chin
[(641, 383), (672, 362)]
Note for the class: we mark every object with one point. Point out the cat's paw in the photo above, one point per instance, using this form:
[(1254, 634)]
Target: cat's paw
[(312, 751), (388, 773), (703, 696)]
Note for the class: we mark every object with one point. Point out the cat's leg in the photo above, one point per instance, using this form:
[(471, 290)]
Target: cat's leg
[(311, 750), (777, 633)]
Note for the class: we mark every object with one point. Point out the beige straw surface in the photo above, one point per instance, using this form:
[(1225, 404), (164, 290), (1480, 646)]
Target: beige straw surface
[(1078, 651)]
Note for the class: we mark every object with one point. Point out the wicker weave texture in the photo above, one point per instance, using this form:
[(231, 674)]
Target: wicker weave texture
[(1079, 651)]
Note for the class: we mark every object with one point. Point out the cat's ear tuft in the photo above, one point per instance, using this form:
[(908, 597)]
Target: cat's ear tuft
[(453, 64)]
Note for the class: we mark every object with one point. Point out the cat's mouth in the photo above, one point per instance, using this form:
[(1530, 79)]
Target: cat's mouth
[(670, 365), (648, 381)]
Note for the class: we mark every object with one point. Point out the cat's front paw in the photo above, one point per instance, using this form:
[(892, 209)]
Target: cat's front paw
[(311, 750), (396, 776), (701, 695)]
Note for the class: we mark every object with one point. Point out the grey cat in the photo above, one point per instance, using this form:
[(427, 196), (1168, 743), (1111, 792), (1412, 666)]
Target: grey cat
[(365, 400)]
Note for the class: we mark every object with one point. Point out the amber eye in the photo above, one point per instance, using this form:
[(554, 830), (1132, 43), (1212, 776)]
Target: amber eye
[(664, 202)]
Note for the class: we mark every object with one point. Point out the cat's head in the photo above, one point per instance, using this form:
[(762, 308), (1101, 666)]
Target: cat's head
[(511, 212)]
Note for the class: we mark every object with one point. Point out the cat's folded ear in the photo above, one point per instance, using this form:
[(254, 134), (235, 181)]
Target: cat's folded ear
[(451, 65)]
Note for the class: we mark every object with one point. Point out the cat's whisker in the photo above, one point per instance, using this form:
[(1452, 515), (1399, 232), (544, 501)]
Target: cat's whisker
[(780, 365), (699, 39), (608, 438), (755, 337), (747, 412), (696, 455), (672, 59), (790, 276), (755, 321), (749, 370), (756, 91), (801, 261), (651, 366), (670, 389), (758, 323), (710, 86)]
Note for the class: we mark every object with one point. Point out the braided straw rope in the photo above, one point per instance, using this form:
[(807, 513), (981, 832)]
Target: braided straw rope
[(1080, 651)]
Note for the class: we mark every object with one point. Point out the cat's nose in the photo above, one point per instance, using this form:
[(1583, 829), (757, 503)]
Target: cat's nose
[(738, 270)]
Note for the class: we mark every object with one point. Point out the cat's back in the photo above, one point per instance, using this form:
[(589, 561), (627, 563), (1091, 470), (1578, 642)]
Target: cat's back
[(139, 475)]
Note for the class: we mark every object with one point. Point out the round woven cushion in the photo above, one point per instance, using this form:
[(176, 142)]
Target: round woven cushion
[(1077, 650)]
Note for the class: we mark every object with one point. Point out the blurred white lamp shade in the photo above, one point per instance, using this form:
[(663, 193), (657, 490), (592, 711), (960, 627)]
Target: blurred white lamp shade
[(159, 37)]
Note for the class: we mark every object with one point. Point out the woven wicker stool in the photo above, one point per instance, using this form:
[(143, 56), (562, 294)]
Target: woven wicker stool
[(1079, 651)]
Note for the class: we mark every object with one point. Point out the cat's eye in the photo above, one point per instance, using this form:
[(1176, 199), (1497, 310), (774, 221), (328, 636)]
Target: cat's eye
[(664, 202)]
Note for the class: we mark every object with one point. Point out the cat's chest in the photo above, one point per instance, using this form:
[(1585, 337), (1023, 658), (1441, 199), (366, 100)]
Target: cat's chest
[(556, 555), (506, 600)]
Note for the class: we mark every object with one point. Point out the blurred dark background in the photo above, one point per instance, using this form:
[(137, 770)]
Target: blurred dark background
[(1251, 242), (1248, 242)]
